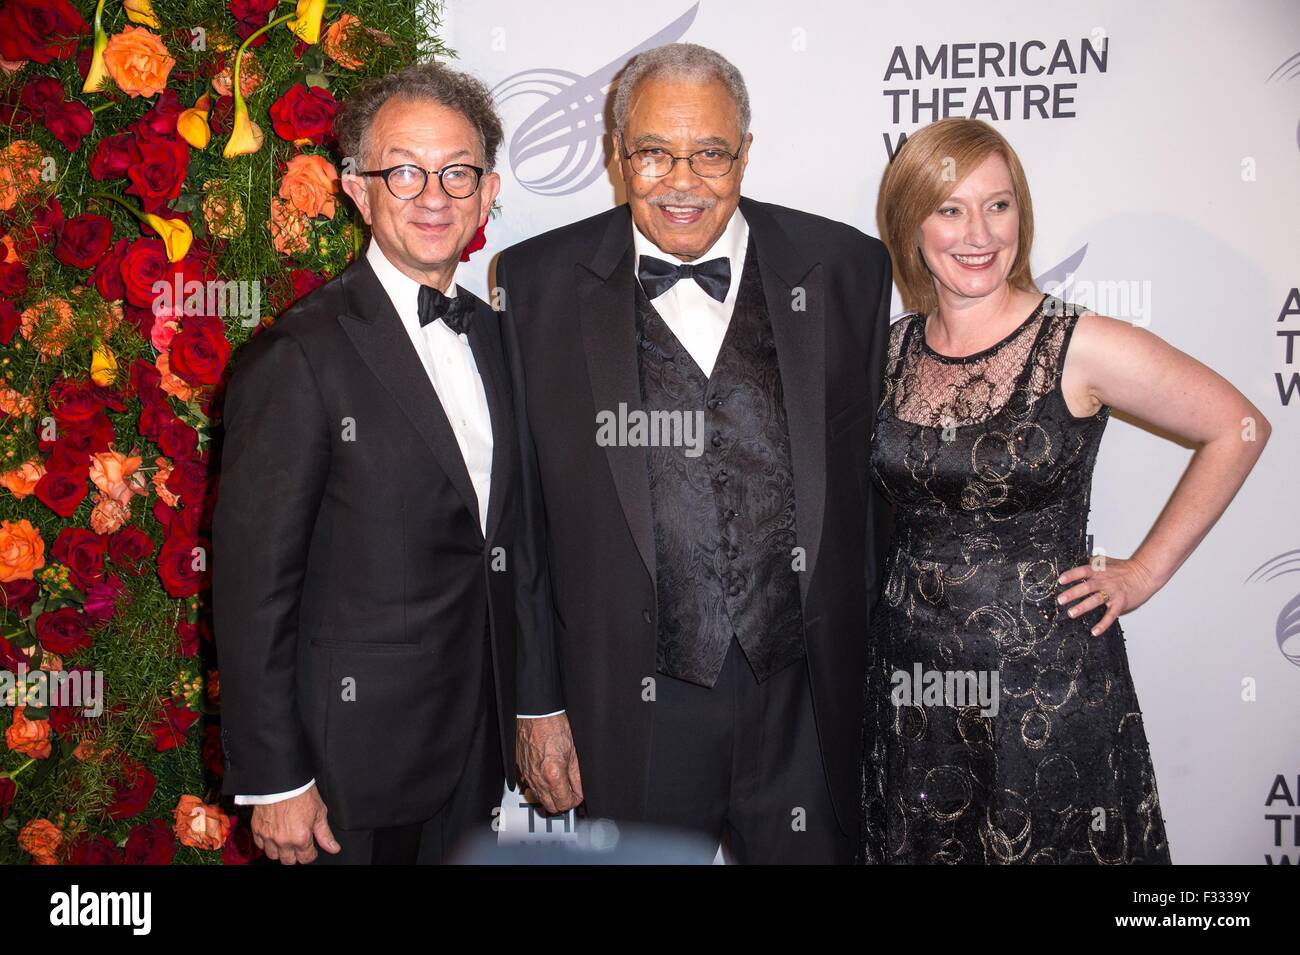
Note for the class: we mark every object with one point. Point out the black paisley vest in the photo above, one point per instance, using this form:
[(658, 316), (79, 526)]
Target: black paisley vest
[(723, 507)]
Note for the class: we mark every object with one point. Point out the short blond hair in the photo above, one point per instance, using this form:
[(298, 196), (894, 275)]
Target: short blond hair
[(915, 185)]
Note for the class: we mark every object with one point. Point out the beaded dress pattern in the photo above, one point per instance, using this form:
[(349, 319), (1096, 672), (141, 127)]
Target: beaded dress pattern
[(989, 474)]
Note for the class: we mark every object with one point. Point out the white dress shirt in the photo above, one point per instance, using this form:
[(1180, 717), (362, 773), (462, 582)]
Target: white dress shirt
[(699, 321), (449, 363)]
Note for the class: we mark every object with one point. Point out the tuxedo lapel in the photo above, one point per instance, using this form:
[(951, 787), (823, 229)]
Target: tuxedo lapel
[(376, 332), (489, 356), (607, 313), (793, 289)]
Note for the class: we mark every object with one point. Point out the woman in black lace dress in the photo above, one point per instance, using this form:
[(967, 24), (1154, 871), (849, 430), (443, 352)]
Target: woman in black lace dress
[(1001, 720)]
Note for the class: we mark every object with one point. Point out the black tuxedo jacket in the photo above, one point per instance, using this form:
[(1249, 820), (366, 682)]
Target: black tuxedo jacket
[(570, 328), (347, 544)]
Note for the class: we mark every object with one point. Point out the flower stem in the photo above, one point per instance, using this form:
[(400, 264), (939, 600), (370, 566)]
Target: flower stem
[(239, 55)]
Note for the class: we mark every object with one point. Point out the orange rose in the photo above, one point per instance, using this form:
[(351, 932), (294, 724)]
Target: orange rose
[(49, 323), (28, 737), (43, 840), (200, 825), (138, 62), (22, 552), (21, 481), (10, 250), (310, 183), (110, 470), (289, 228), (20, 172), (173, 384)]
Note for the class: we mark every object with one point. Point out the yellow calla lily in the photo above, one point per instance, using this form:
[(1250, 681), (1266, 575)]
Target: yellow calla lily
[(103, 366), (306, 24), (96, 74), (175, 233), (245, 135), (192, 124), (141, 12)]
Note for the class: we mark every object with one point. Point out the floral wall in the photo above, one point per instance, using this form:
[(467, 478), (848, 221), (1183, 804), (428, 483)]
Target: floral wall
[(168, 184)]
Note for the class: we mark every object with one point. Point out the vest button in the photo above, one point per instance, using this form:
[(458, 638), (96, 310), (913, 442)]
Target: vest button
[(717, 439), (646, 616)]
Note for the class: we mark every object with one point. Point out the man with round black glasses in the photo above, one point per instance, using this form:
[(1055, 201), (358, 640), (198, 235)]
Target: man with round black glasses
[(381, 611)]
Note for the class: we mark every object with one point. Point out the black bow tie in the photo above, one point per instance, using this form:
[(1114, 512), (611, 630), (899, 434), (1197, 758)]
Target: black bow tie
[(658, 276), (456, 311)]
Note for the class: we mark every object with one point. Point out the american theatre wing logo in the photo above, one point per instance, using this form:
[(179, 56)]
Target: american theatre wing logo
[(559, 148)]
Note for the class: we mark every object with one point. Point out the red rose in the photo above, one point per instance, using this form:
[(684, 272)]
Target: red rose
[(130, 549), (84, 240), (93, 850), (61, 492), (144, 263), (476, 243), (70, 124), (176, 566), (83, 552), (146, 381), (169, 731), (213, 758), (158, 177), (10, 321), (176, 438), (151, 844), (13, 279), (74, 400), (199, 351), (114, 156), (250, 16), (188, 479), (132, 790), (63, 631), (102, 599), (40, 30), (42, 94), (89, 437), (304, 112), (160, 122), (108, 273), (17, 596), (240, 849)]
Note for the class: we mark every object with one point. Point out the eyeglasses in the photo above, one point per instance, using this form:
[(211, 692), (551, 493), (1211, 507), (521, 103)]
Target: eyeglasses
[(654, 162), (407, 181)]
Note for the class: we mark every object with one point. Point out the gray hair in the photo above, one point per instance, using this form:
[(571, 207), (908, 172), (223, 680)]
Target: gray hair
[(681, 61), (423, 81)]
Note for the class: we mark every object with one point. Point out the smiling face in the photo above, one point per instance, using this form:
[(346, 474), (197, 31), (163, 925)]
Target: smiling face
[(682, 213), (970, 242), (424, 236)]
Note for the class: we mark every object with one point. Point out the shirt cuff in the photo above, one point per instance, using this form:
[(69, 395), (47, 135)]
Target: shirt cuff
[(273, 797), (527, 716)]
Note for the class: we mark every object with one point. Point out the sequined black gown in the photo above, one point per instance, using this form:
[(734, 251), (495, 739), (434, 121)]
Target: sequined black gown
[(990, 477)]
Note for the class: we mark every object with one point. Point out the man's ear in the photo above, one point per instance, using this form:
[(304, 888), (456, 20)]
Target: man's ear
[(744, 151), (490, 188), (355, 187)]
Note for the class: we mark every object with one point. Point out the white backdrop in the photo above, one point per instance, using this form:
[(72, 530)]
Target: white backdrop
[(1166, 186)]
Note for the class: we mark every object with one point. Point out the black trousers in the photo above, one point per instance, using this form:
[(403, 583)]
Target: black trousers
[(740, 762), (468, 812)]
